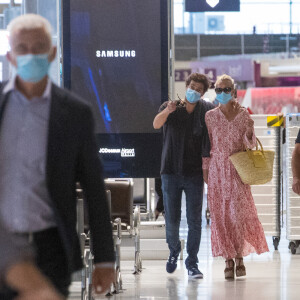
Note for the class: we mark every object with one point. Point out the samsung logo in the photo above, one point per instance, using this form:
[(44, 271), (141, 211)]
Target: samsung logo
[(116, 53)]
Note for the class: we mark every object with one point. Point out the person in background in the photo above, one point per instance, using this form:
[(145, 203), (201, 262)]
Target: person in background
[(235, 228), (47, 144), (19, 272), (185, 142), (296, 166), (160, 198)]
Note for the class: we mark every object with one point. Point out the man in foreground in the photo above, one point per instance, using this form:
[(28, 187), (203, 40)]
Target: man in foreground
[(47, 144)]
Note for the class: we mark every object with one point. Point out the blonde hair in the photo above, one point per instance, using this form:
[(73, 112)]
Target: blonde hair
[(30, 22), (225, 77)]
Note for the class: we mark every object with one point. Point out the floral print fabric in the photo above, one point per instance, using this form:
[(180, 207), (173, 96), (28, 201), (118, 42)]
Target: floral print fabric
[(235, 227)]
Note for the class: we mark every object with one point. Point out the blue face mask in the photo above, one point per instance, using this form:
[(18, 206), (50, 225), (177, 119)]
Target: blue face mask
[(192, 96), (224, 98), (32, 67)]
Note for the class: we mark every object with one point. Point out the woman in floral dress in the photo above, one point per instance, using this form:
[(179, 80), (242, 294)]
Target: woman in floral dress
[(235, 228)]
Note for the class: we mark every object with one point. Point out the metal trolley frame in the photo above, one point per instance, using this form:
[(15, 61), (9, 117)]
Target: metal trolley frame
[(292, 199), (268, 197)]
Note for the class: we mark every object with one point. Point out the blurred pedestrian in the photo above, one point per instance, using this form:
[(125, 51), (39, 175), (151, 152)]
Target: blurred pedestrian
[(47, 144), (159, 209)]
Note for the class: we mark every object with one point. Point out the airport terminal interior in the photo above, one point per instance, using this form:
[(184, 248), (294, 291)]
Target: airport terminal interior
[(126, 58)]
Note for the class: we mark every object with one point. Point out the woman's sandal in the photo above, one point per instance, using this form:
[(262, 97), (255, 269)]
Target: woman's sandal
[(240, 269), (229, 271)]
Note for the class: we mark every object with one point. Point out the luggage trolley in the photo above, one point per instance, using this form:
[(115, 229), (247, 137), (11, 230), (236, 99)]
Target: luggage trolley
[(268, 197), (292, 199), (85, 244)]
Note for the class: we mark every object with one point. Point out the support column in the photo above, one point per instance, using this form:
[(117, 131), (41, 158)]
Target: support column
[(29, 6)]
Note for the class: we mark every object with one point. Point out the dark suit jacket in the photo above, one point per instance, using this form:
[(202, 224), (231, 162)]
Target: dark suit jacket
[(72, 156)]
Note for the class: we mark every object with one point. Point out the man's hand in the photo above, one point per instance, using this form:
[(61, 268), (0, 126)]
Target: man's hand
[(205, 175), (102, 279), (171, 106), (161, 118), (30, 283), (281, 115), (296, 185)]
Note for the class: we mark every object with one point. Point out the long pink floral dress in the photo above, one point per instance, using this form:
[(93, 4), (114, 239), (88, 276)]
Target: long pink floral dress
[(235, 227)]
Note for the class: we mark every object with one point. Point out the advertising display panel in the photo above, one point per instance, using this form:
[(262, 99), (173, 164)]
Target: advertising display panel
[(275, 99), (116, 58)]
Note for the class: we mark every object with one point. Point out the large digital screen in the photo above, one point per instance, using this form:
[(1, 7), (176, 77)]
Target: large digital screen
[(116, 58)]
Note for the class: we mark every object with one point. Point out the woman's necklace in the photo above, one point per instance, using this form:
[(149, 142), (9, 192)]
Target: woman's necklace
[(231, 112)]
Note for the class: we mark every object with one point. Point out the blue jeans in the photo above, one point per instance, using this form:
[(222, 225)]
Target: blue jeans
[(172, 186)]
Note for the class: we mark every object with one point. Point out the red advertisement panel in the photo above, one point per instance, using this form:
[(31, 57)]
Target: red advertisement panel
[(274, 100), (240, 95)]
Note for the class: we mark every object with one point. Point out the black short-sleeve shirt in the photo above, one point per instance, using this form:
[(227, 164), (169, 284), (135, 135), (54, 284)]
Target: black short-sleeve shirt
[(185, 140)]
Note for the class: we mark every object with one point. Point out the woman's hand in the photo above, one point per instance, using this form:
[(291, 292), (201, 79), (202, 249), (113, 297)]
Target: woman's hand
[(236, 106)]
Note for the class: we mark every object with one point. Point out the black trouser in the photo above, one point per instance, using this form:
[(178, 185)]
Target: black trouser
[(50, 259)]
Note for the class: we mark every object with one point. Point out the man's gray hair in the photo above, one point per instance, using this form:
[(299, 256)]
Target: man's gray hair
[(29, 22)]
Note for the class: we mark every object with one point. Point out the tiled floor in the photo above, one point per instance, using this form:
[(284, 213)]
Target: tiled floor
[(273, 275)]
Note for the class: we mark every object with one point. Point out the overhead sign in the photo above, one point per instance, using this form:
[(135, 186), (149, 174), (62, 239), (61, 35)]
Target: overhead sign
[(211, 73), (239, 69), (212, 5), (182, 74)]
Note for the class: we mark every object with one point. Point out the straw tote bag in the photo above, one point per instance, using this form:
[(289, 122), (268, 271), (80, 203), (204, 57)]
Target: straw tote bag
[(254, 166)]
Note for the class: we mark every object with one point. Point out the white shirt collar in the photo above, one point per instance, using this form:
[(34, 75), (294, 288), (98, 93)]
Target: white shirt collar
[(11, 85)]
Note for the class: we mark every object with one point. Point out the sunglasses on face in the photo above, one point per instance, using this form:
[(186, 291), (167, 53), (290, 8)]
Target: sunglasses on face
[(226, 90)]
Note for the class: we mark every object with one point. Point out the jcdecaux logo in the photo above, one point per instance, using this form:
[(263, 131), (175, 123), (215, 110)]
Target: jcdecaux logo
[(123, 151)]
